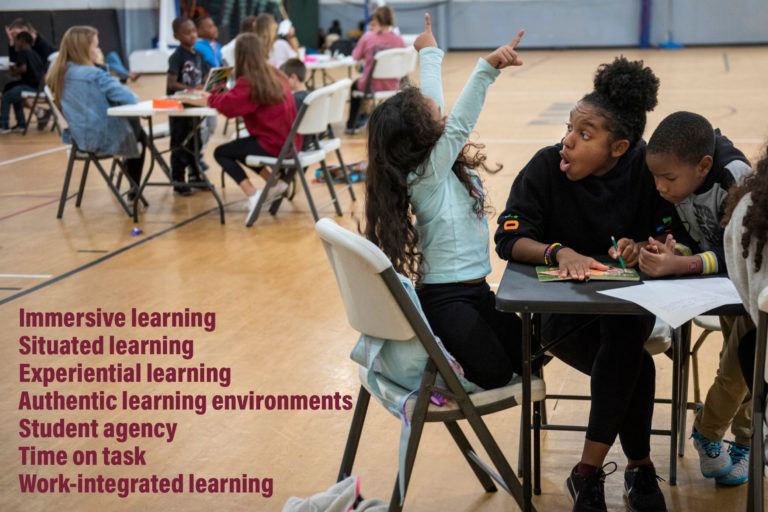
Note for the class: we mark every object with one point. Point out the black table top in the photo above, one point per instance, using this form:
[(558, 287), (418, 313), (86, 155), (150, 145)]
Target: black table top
[(520, 291)]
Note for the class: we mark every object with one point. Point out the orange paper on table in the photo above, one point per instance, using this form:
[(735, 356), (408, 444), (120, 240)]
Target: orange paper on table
[(169, 104)]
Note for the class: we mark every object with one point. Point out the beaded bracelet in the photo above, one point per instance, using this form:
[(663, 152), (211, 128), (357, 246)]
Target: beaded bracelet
[(550, 253)]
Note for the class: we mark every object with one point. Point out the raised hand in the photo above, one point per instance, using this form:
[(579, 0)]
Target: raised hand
[(506, 55), (425, 39)]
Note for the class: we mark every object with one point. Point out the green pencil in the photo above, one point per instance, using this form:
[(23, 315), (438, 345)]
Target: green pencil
[(617, 252)]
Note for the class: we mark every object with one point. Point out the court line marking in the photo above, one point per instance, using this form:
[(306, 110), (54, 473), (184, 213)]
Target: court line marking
[(28, 276), (108, 256), (32, 155), (25, 210)]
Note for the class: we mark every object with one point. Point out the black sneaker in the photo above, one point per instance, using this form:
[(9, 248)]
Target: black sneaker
[(588, 492), (182, 190), (641, 487), (196, 179)]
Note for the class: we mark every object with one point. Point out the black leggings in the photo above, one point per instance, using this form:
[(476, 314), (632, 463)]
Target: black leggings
[(611, 350), (134, 166), (354, 107), (228, 155), (484, 340)]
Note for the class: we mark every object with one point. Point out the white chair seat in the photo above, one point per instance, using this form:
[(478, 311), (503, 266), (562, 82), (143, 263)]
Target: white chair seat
[(394, 393), (159, 130), (660, 338), (378, 95), (243, 133), (306, 158), (329, 145), (708, 322)]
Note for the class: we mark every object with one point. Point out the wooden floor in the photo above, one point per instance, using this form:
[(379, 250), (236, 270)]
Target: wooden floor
[(280, 325)]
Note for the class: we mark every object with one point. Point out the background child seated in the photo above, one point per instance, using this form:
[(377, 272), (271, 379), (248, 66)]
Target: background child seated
[(694, 167), (28, 68), (262, 97), (296, 72)]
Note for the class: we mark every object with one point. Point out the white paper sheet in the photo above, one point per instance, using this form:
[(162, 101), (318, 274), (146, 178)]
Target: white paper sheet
[(678, 301)]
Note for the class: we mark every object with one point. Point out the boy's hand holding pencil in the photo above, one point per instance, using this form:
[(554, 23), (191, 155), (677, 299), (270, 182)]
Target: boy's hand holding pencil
[(505, 56), (625, 250)]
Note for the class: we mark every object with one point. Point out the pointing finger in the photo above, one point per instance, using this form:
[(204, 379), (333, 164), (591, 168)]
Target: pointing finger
[(427, 23), (517, 39)]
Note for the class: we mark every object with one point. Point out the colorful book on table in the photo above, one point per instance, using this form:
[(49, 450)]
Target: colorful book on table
[(547, 274)]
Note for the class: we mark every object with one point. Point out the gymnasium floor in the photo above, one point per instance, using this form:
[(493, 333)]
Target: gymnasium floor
[(280, 325)]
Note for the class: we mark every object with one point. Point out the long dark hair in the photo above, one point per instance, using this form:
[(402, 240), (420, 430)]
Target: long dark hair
[(401, 135), (755, 222)]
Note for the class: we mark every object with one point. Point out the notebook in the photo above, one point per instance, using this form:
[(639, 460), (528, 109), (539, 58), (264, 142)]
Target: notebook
[(217, 78), (547, 274)]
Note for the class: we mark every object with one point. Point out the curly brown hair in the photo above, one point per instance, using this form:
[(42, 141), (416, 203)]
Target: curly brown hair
[(755, 222), (401, 135)]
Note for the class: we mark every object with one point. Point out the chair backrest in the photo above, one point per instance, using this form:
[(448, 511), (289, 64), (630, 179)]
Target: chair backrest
[(762, 323), (315, 113), (359, 266), (228, 54), (339, 100), (56, 112), (393, 63)]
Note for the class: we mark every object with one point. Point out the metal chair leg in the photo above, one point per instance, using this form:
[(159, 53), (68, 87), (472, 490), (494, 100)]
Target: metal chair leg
[(81, 190), (695, 365), (67, 177), (355, 430), (331, 188), (466, 448)]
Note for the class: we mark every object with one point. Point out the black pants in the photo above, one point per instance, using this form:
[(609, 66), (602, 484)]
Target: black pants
[(484, 340), (134, 166), (611, 350), (228, 155), (354, 107), (183, 155)]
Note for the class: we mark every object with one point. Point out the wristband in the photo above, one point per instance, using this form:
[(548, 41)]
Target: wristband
[(551, 252)]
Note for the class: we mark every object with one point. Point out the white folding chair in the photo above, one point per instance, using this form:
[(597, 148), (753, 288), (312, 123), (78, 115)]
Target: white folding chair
[(757, 453), (391, 63), (40, 95), (378, 305), (74, 153), (313, 119)]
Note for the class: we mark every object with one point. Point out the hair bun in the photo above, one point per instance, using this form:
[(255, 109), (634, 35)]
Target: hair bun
[(627, 85)]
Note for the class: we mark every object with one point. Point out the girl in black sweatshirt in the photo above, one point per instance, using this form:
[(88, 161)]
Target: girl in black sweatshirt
[(563, 208)]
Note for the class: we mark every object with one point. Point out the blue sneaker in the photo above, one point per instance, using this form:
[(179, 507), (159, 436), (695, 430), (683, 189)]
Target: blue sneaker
[(713, 459), (739, 473)]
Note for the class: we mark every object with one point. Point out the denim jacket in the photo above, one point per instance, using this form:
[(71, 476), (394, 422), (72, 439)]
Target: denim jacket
[(88, 92)]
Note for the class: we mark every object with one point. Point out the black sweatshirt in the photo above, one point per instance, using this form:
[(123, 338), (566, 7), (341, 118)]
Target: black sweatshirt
[(547, 207), (700, 214)]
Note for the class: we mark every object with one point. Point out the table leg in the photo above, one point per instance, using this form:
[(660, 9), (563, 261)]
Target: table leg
[(526, 411), (196, 162)]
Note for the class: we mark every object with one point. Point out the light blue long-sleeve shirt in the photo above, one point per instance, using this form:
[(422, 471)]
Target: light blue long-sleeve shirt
[(88, 92), (452, 238)]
